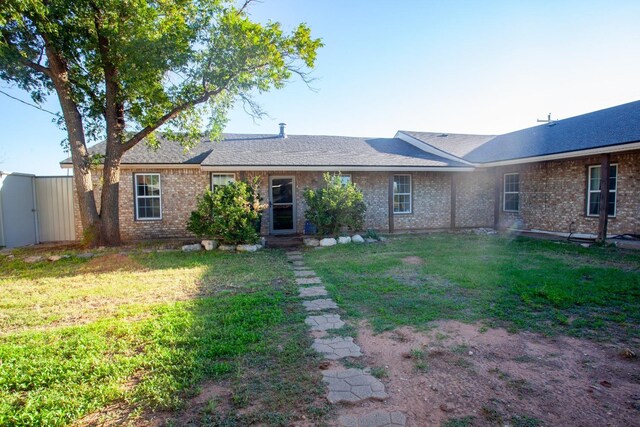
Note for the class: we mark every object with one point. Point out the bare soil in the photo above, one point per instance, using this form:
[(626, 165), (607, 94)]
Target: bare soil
[(458, 370)]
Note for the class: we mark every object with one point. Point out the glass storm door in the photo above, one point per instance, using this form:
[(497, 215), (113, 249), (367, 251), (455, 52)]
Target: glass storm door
[(282, 197)]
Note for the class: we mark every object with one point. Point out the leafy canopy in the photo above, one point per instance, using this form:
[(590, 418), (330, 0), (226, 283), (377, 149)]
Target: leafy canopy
[(163, 57)]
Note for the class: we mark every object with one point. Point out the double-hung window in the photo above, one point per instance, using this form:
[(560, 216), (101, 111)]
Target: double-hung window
[(511, 196), (221, 179), (345, 179), (148, 197), (402, 194), (593, 192)]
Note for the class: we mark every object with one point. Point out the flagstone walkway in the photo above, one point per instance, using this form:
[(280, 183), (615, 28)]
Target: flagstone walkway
[(345, 386)]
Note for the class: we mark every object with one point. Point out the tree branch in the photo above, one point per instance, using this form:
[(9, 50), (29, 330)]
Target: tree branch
[(25, 61)]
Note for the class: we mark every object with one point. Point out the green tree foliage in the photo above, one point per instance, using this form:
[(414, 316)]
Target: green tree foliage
[(335, 206), (124, 70), (230, 215)]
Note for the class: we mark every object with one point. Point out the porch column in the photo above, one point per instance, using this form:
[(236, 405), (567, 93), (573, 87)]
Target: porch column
[(390, 197), (604, 198), (453, 200)]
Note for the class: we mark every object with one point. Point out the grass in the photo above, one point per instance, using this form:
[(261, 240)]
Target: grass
[(519, 283), (142, 333)]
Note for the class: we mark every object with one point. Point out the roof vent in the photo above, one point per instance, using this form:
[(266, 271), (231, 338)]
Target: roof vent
[(282, 134), (443, 135)]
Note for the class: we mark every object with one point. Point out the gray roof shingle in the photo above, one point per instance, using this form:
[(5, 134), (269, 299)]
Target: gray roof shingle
[(294, 151), (457, 144), (608, 127)]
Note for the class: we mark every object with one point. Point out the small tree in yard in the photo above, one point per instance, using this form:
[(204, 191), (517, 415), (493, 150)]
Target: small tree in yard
[(123, 70), (230, 215), (335, 206)]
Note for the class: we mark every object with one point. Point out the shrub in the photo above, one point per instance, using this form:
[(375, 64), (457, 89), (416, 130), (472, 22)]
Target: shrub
[(335, 206), (230, 215)]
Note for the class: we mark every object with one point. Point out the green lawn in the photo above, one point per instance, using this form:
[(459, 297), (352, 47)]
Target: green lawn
[(519, 283), (143, 333)]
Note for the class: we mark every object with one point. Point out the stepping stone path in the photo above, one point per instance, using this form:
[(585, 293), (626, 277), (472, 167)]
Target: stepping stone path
[(344, 385), (324, 322), (374, 419), (319, 304), (352, 385), (336, 348)]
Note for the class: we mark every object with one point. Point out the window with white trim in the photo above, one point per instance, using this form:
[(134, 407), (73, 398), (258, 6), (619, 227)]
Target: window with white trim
[(401, 194), (345, 179), (221, 179), (593, 191), (148, 196), (511, 192)]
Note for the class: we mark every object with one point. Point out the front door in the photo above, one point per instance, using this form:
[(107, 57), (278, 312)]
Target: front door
[(283, 205)]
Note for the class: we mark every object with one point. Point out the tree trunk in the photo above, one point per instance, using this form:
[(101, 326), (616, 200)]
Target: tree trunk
[(109, 210), (79, 155)]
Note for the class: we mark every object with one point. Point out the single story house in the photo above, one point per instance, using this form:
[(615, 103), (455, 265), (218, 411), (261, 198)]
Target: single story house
[(544, 178)]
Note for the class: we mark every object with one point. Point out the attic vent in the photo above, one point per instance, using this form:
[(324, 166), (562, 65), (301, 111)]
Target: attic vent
[(443, 135)]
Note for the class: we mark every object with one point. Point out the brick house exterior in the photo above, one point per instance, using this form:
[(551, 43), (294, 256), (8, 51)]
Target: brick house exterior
[(456, 181)]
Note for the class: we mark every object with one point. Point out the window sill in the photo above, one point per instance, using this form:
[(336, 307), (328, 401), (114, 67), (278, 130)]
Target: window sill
[(148, 219)]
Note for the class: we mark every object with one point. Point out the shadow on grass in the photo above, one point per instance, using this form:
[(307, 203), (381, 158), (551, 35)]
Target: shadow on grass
[(250, 338)]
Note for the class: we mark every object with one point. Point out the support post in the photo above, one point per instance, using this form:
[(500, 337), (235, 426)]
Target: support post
[(603, 218), (453, 201), (391, 203)]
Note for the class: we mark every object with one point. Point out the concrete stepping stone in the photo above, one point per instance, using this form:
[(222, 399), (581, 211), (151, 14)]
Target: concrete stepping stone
[(294, 257), (352, 385), (320, 304), (300, 267), (290, 253), (324, 322), (336, 348), (297, 263), (313, 291), (374, 419), (303, 273), (308, 281)]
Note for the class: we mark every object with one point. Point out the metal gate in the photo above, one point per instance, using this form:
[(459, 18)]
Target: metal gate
[(35, 209)]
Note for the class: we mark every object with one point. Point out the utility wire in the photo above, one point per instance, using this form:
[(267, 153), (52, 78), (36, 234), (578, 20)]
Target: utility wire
[(28, 103)]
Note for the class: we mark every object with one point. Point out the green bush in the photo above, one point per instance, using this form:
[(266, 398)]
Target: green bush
[(335, 206), (231, 214)]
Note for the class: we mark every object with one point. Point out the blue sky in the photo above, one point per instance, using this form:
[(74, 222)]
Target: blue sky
[(444, 66)]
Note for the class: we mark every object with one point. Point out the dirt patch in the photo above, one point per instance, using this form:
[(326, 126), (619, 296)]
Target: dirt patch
[(110, 263), (492, 377), (413, 260)]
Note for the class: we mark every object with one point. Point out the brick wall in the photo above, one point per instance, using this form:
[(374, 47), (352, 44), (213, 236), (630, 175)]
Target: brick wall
[(554, 195)]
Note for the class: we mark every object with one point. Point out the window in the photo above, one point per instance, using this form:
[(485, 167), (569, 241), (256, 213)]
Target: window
[(511, 199), (148, 202), (593, 193), (220, 180), (346, 179), (402, 194)]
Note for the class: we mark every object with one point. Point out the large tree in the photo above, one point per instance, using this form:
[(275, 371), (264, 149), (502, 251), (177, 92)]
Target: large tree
[(125, 69)]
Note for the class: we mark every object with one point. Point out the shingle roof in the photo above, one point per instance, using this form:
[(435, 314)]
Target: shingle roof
[(317, 150), (457, 144), (608, 127), (294, 151)]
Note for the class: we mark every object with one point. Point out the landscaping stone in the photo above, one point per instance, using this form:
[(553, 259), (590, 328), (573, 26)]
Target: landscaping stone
[(88, 255), (54, 258), (320, 304), (344, 240), (324, 322), (227, 248), (209, 245), (190, 248), (328, 242), (308, 281), (352, 385), (336, 348), (370, 240), (311, 242), (357, 238), (248, 248), (32, 259), (374, 419), (303, 273), (314, 291)]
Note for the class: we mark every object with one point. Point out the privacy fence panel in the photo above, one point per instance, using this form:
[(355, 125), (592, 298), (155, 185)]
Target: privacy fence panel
[(17, 210), (54, 201)]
